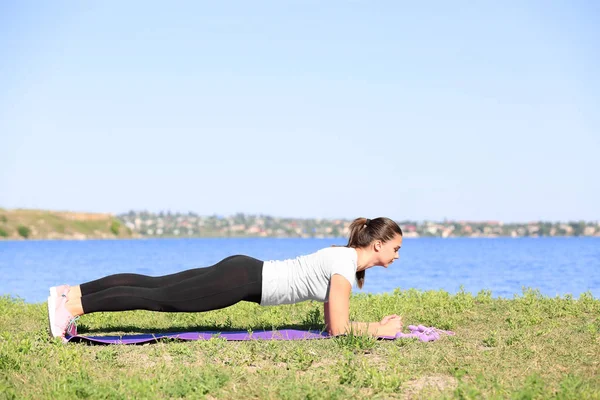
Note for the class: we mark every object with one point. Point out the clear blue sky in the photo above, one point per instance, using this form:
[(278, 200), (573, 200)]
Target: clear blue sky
[(458, 110)]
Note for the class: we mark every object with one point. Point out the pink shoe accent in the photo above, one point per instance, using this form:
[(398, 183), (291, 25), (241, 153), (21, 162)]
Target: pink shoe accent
[(72, 328)]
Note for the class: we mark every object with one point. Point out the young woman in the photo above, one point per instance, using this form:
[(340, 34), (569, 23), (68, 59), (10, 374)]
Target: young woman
[(327, 275)]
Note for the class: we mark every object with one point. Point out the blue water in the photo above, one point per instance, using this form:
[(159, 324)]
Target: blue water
[(555, 266)]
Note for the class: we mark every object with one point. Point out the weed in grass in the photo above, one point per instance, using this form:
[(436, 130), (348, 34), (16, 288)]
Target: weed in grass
[(359, 373), (356, 342), (8, 363), (294, 388), (107, 355), (7, 391), (302, 359), (348, 370), (491, 340), (466, 391), (514, 338), (571, 387), (533, 388), (181, 351), (194, 382), (313, 319)]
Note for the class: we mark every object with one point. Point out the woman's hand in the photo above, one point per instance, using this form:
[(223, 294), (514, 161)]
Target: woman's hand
[(387, 318), (390, 325)]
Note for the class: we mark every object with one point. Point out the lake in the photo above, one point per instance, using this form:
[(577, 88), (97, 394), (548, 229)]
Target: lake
[(553, 265)]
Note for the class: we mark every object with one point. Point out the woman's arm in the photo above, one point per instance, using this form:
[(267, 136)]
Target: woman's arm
[(326, 314), (337, 313)]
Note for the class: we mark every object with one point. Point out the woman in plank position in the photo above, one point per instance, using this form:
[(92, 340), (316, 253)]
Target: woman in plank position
[(327, 275)]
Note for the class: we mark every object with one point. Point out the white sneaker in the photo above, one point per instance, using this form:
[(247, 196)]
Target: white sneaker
[(61, 322)]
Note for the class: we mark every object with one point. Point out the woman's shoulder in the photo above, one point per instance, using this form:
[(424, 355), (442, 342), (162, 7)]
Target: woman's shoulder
[(338, 252), (337, 249)]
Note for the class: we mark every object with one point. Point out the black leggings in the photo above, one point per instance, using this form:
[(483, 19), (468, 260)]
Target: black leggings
[(226, 283)]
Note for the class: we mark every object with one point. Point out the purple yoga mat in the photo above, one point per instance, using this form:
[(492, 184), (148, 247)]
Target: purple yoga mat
[(419, 332), (284, 334)]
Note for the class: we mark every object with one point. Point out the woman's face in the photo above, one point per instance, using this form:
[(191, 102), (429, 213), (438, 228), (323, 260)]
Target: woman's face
[(388, 251)]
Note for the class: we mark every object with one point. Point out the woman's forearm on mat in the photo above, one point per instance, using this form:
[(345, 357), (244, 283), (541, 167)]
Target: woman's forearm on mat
[(368, 328), (358, 328)]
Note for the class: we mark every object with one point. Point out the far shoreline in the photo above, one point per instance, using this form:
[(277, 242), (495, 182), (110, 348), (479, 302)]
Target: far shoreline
[(277, 237)]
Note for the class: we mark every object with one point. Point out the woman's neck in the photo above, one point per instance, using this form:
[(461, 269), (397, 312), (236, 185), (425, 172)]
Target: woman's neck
[(364, 259)]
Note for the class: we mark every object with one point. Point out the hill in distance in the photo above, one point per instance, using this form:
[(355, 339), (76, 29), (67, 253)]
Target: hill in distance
[(42, 224)]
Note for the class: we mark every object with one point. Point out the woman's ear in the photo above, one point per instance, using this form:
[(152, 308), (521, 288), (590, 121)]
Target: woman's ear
[(377, 245)]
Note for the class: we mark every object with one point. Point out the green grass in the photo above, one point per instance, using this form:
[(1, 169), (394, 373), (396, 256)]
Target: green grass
[(529, 347)]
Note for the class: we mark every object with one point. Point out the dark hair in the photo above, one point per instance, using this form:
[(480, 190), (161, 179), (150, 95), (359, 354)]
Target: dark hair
[(364, 231)]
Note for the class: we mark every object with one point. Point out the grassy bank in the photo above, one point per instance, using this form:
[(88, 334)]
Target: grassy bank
[(41, 224), (528, 347)]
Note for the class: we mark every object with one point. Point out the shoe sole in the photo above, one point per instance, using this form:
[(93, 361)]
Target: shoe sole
[(51, 312)]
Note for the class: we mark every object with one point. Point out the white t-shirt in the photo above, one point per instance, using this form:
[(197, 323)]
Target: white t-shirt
[(306, 277)]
